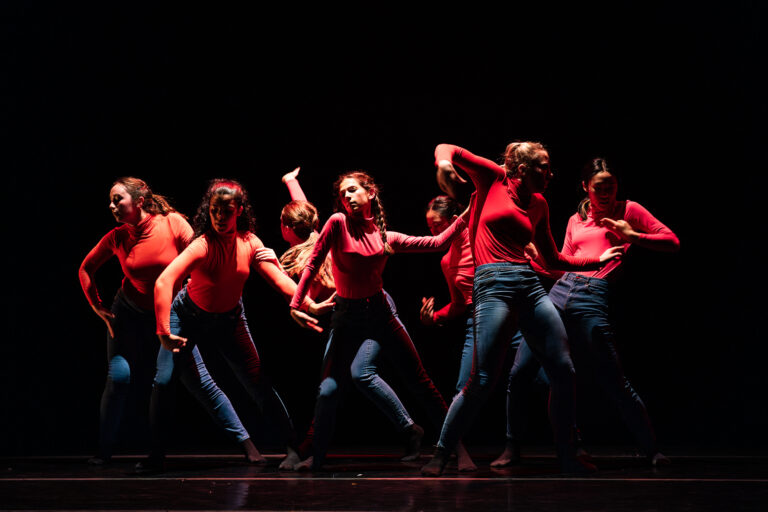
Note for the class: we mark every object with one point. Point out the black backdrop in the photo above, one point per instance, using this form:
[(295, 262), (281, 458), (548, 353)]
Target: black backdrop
[(673, 97)]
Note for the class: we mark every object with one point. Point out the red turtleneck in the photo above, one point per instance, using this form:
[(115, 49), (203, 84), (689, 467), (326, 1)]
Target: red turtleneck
[(143, 250)]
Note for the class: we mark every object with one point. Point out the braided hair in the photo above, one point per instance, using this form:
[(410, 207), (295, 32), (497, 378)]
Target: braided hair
[(377, 209)]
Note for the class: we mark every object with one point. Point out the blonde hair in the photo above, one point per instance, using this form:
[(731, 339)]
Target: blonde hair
[(295, 259), (520, 153)]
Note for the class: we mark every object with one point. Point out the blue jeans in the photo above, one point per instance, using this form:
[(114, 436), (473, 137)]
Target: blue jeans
[(509, 296), (583, 305), (228, 333), (362, 330), (131, 356)]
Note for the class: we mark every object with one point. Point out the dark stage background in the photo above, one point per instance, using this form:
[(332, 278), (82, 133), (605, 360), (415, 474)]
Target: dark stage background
[(673, 97)]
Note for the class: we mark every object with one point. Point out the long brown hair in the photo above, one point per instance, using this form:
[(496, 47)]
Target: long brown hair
[(295, 259), (301, 217), (153, 203), (377, 209)]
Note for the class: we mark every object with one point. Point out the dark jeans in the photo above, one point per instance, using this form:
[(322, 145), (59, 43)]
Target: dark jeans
[(361, 331), (507, 296), (131, 355), (228, 333), (583, 304)]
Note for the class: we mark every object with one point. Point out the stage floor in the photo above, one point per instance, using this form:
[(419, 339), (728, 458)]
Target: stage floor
[(368, 479)]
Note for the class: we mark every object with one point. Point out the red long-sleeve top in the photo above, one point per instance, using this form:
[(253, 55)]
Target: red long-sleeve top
[(499, 226), (358, 254), (218, 266), (459, 271), (585, 238), (143, 250)]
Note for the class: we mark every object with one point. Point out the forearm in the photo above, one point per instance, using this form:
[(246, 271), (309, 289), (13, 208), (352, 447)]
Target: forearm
[(295, 191)]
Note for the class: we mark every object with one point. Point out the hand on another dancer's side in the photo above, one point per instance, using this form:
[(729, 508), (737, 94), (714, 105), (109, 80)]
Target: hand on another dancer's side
[(321, 308), (427, 313), (305, 320), (107, 316), (291, 175), (172, 342)]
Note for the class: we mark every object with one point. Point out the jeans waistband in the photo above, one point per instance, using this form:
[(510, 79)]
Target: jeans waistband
[(375, 300), (595, 282)]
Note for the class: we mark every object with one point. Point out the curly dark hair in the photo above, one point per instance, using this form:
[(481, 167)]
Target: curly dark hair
[(224, 187)]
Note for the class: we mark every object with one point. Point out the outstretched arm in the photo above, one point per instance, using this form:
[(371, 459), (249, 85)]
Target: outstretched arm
[(553, 259), (407, 243)]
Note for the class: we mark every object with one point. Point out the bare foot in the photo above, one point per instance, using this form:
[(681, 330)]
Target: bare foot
[(290, 461), (659, 459), (305, 465), (252, 455), (464, 460), (436, 466), (413, 446), (509, 457)]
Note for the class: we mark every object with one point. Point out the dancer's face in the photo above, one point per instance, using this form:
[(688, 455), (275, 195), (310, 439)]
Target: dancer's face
[(538, 173), (436, 222), (123, 207), (224, 213), (356, 200), (602, 192)]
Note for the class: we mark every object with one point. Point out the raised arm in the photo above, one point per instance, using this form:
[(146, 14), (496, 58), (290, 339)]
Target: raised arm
[(92, 262), (407, 243), (480, 170), (292, 182)]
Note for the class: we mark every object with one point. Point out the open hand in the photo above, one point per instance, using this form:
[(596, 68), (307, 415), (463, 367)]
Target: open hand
[(321, 308), (107, 316), (172, 342), (291, 175), (305, 320)]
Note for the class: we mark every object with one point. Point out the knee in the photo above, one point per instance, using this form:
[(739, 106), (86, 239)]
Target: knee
[(362, 375), (479, 384), (328, 389), (119, 370)]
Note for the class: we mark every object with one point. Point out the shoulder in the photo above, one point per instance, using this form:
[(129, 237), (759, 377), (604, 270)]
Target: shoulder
[(251, 239), (539, 202)]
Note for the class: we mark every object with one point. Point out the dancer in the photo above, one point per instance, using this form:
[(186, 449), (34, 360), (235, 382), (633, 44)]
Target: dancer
[(152, 234), (582, 298), (507, 212), (299, 222), (359, 243), (209, 310)]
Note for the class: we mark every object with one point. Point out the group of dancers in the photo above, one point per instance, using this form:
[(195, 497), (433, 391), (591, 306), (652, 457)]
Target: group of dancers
[(184, 285)]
